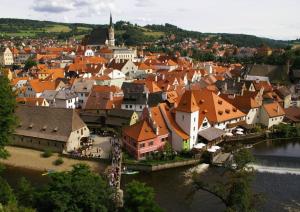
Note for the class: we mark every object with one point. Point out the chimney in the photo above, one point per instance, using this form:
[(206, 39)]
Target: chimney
[(111, 96), (155, 78), (277, 108), (239, 79), (225, 86)]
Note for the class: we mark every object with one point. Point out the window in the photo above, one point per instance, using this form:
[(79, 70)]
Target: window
[(130, 106), (204, 124), (194, 120), (81, 131), (126, 106), (151, 143), (141, 107), (142, 145)]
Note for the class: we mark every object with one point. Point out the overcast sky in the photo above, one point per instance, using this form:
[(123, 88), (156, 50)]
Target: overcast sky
[(278, 19)]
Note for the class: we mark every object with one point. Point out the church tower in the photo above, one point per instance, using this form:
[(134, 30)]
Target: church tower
[(111, 33)]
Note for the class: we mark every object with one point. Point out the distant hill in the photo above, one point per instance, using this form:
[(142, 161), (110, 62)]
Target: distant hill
[(125, 32)]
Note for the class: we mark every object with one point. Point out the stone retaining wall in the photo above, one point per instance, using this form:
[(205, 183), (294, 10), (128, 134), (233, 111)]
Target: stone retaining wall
[(150, 168)]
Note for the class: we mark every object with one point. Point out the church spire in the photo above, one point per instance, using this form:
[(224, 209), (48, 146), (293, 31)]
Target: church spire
[(111, 21)]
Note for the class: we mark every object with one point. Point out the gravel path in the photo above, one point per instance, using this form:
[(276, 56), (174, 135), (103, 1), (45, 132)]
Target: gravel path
[(32, 159)]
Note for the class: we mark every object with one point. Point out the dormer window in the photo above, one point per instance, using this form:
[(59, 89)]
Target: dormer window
[(227, 111), (44, 128), (31, 126), (220, 102), (55, 129), (220, 112)]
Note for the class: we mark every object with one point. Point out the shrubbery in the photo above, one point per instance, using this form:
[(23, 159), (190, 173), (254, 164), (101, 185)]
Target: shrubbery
[(47, 153), (58, 161), (286, 131)]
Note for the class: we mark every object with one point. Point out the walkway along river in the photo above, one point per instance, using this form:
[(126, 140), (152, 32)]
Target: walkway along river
[(282, 190)]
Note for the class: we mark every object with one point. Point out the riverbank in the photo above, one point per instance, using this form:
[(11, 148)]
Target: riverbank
[(32, 159)]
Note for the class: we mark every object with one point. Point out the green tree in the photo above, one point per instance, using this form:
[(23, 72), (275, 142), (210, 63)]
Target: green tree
[(29, 64), (25, 193), (234, 188), (7, 114), (139, 198), (242, 158), (240, 193), (13, 207), (6, 193), (77, 190)]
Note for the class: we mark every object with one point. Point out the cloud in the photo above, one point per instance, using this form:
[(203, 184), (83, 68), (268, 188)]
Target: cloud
[(143, 20), (53, 6), (86, 7), (143, 3)]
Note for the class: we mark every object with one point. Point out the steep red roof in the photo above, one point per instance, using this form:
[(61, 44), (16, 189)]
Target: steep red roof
[(187, 103), (140, 131)]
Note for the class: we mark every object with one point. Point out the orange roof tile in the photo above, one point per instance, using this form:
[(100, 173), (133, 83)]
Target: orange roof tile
[(140, 131), (159, 120), (40, 86), (170, 119), (30, 100), (215, 108), (274, 109), (151, 85), (187, 103)]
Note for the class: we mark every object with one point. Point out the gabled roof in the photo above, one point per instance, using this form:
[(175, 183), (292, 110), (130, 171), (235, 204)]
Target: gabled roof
[(104, 98), (274, 109), (173, 126), (140, 131), (263, 84), (16, 80), (283, 92), (40, 86), (151, 85), (47, 123), (157, 116), (187, 103), (245, 102), (32, 101), (215, 108)]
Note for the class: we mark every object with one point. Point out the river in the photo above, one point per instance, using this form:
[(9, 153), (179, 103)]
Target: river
[(278, 178)]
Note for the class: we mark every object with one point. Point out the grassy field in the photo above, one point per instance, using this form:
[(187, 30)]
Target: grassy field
[(83, 29), (58, 28), (32, 32), (154, 34)]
